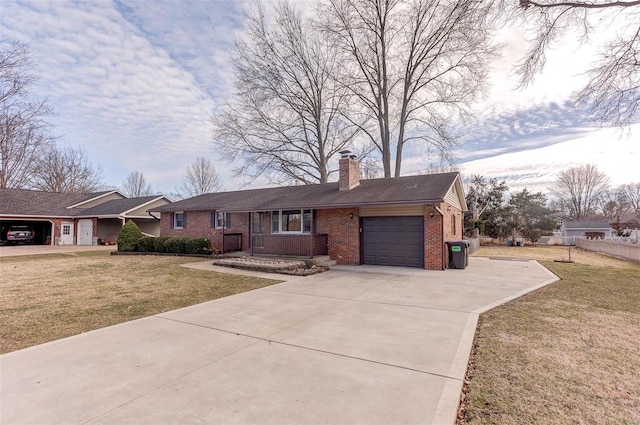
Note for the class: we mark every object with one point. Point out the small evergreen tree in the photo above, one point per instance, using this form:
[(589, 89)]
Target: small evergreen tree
[(129, 236)]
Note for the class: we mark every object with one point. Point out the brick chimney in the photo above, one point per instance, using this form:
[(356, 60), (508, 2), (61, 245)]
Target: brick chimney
[(349, 171)]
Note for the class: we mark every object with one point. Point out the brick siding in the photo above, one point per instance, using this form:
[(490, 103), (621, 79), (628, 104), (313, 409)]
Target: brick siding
[(199, 226), (344, 234)]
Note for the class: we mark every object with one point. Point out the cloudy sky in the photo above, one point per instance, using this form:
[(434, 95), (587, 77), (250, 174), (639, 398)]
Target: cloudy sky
[(135, 83)]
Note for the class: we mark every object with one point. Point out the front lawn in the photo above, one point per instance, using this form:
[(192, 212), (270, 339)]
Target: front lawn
[(47, 297), (564, 354)]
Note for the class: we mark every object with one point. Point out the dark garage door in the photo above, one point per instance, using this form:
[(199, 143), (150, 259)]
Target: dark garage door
[(393, 241)]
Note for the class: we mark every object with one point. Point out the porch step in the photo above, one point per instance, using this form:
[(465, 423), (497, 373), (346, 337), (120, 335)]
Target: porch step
[(323, 260)]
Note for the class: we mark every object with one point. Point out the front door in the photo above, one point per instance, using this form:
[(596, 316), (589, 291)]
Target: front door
[(66, 233), (85, 232)]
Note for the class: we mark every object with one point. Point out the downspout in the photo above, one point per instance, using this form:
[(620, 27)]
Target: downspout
[(224, 224), (251, 232), (157, 218), (444, 251), (311, 229)]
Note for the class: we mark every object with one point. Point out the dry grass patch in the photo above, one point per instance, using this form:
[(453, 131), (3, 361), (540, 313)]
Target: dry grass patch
[(44, 298), (551, 253), (567, 353)]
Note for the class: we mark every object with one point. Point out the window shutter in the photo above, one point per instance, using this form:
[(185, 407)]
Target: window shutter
[(213, 219), (184, 220), (172, 220), (227, 220)]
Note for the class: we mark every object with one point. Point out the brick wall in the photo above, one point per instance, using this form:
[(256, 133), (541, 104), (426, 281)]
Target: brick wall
[(199, 226), (451, 232), (344, 234), (349, 174), (433, 243)]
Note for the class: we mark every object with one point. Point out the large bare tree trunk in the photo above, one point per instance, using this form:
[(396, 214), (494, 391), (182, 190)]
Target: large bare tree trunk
[(413, 66)]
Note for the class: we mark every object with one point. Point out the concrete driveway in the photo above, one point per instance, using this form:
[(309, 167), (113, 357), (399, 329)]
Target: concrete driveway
[(368, 345)]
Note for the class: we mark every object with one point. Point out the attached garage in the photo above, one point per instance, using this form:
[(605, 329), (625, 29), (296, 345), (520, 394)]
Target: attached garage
[(42, 228), (393, 241)]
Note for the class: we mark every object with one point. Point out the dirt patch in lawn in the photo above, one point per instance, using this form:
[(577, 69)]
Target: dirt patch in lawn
[(44, 298), (566, 353)]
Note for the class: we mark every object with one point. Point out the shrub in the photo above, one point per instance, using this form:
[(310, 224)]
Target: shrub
[(158, 244), (128, 237), (146, 244), (175, 245), (198, 246)]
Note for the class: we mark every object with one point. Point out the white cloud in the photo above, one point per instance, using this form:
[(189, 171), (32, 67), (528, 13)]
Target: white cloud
[(135, 83), (614, 153)]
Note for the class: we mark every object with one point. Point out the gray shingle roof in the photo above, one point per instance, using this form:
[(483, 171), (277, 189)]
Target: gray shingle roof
[(117, 206), (586, 225), (409, 189), (22, 202), (37, 203)]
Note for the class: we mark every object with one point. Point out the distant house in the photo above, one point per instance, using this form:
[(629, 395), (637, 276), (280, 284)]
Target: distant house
[(76, 219), (571, 229), (402, 221), (627, 221)]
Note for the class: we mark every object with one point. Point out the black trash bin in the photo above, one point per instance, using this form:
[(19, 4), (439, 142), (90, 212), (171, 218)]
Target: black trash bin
[(458, 254)]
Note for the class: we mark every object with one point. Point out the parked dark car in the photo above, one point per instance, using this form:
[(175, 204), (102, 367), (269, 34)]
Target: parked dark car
[(24, 234)]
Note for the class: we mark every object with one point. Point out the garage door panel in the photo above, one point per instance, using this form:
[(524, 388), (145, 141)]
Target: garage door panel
[(394, 241)]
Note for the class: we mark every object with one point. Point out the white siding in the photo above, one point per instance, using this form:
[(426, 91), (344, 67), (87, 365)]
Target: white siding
[(453, 198)]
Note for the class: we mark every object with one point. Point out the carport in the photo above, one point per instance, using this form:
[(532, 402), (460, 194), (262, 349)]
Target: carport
[(75, 218), (43, 229)]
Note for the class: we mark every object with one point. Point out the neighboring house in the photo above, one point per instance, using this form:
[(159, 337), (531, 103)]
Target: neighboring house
[(627, 221), (402, 221), (76, 219), (571, 229)]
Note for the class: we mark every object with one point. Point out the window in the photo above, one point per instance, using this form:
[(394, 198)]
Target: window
[(453, 224), (258, 223), (275, 222), (221, 220), (66, 229), (178, 220), (291, 221)]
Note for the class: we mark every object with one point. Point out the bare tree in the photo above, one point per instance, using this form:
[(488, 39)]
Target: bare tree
[(613, 203), (286, 120), (631, 195), (66, 170), (24, 132), (414, 66), (135, 185), (200, 178), (613, 89), (580, 189)]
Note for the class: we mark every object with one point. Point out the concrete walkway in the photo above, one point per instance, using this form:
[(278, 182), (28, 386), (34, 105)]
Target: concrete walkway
[(367, 345)]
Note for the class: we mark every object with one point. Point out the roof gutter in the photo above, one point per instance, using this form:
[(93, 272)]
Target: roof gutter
[(325, 206)]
